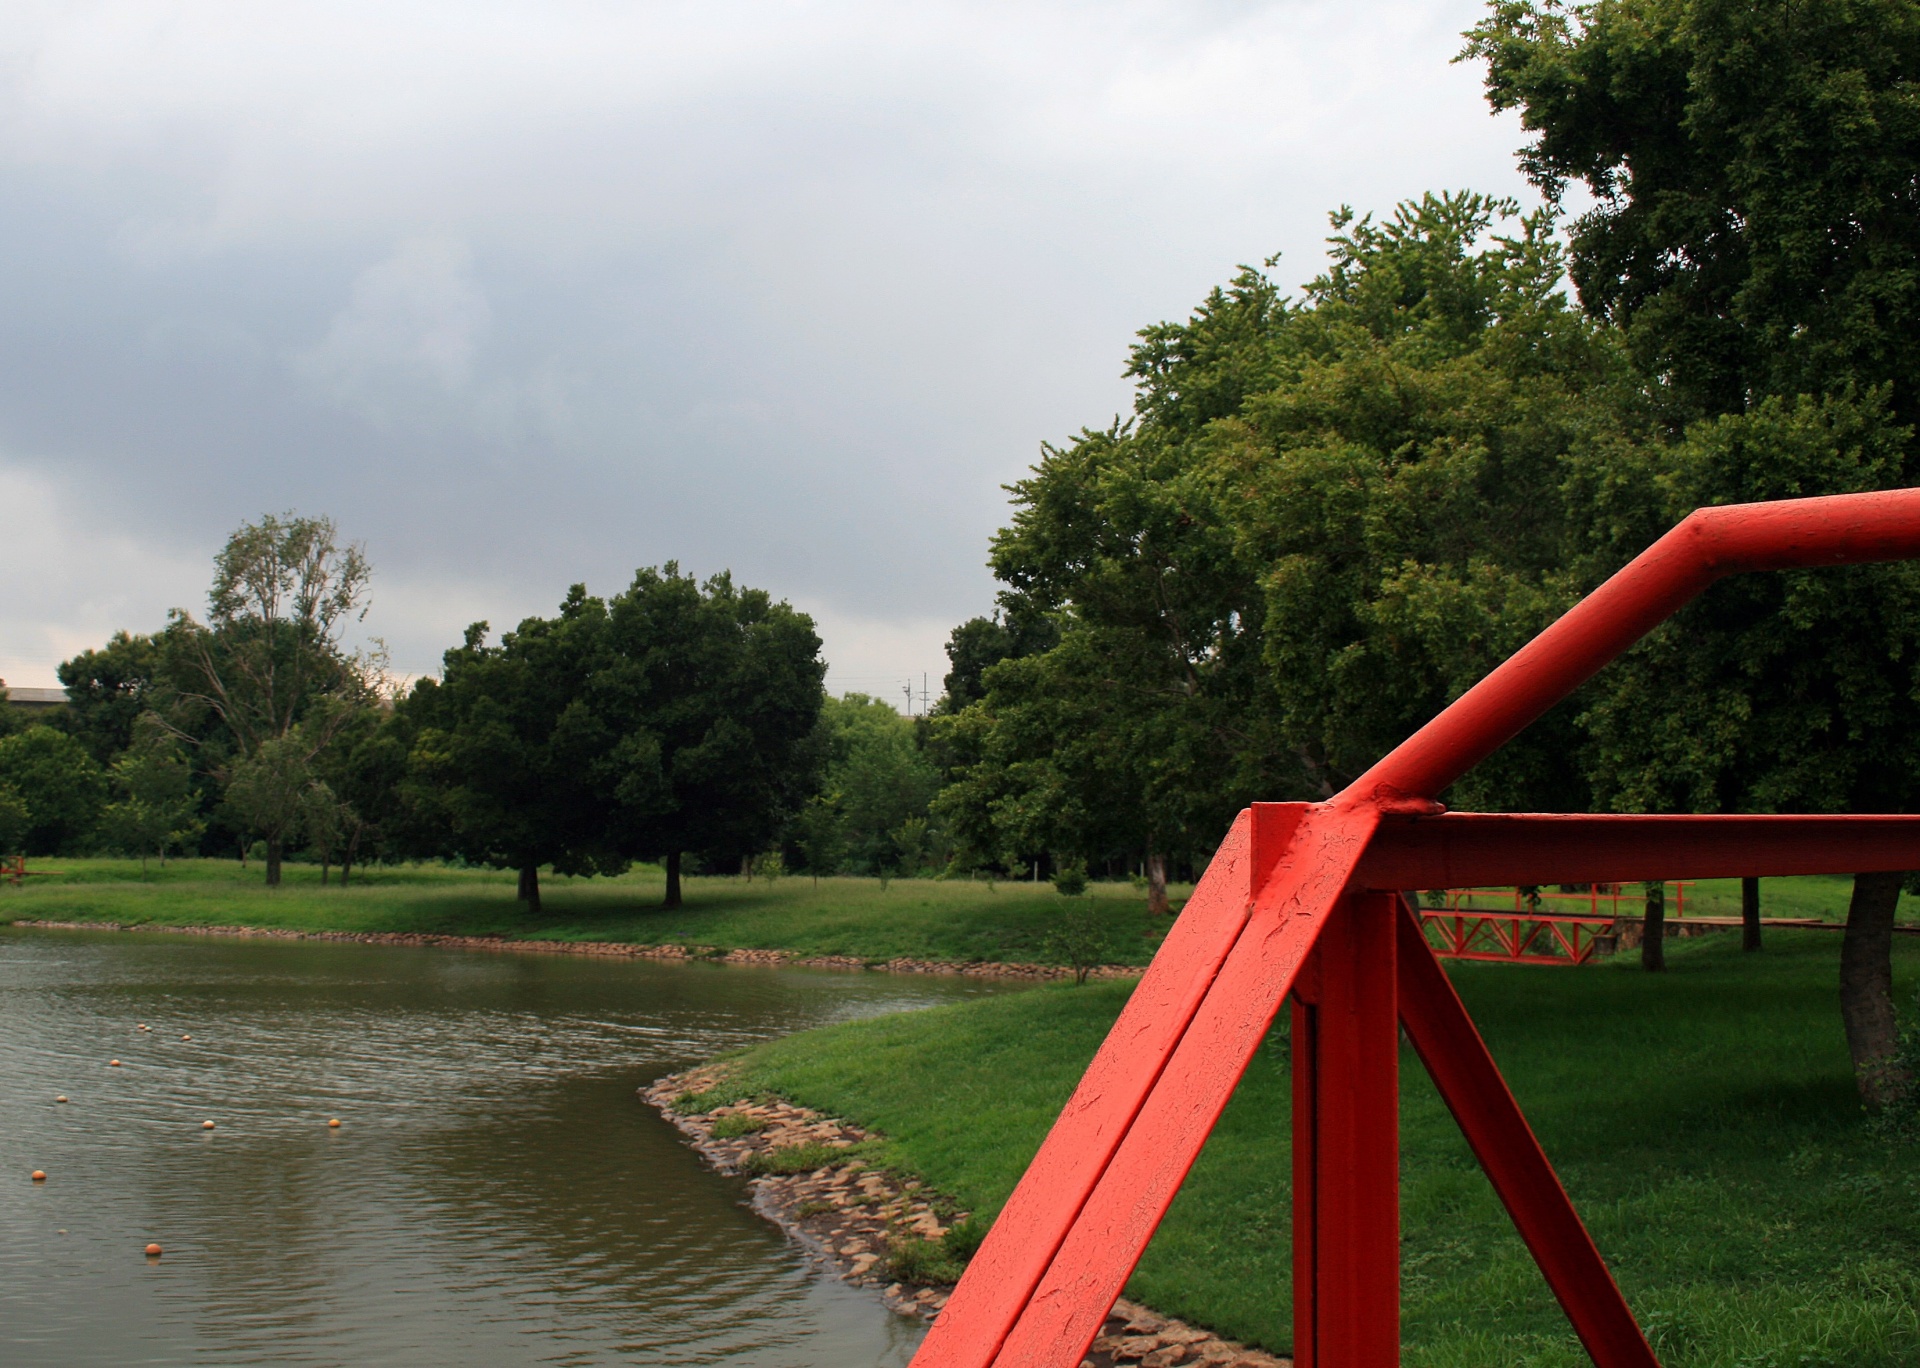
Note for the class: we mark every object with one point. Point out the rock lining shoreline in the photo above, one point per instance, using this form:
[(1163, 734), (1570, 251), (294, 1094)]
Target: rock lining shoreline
[(674, 952), (851, 1218)]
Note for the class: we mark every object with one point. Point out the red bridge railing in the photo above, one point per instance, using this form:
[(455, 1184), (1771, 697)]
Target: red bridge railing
[(1538, 926), (1301, 900)]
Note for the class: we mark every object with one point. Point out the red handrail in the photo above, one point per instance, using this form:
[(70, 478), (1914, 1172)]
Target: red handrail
[(1073, 1229)]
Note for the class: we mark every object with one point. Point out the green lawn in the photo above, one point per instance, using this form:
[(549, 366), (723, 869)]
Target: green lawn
[(918, 918), (1704, 1120), (957, 919)]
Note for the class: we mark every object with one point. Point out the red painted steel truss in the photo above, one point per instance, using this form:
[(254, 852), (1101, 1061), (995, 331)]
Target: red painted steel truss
[(1476, 933), (1461, 927), (1300, 903)]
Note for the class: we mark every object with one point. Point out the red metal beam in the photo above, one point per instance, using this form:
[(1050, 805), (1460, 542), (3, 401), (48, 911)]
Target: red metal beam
[(1441, 1031), (1843, 529), (1023, 1240), (1474, 849), (1346, 1142), (1100, 1250), (1085, 1211)]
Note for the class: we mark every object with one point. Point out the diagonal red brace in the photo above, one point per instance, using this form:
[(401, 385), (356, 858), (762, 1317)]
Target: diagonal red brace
[(1081, 1217), (1470, 1083), (1021, 1245)]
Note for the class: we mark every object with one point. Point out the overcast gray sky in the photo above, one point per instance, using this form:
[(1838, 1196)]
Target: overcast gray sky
[(524, 294)]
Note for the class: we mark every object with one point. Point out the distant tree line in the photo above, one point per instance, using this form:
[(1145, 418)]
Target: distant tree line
[(676, 720)]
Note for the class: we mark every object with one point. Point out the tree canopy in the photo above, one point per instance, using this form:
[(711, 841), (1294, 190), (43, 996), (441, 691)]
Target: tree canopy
[(1754, 237), (57, 785), (1325, 518), (673, 718), (1756, 221)]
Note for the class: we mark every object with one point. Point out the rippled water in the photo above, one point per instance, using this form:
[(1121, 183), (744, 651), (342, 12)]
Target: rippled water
[(497, 1194)]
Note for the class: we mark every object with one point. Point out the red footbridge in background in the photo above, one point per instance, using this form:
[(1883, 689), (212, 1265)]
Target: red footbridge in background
[(1302, 902), (1541, 927)]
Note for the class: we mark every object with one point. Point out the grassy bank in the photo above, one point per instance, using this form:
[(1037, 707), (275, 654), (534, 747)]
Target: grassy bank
[(955, 919), (943, 919), (1704, 1120)]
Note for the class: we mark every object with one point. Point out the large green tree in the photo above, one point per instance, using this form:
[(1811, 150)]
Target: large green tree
[(876, 781), (61, 786), (712, 692), (671, 719), (271, 653), (156, 807), (271, 663), (1411, 489), (1327, 517), (109, 689), (1755, 225), (512, 754), (272, 791), (365, 768), (1755, 234)]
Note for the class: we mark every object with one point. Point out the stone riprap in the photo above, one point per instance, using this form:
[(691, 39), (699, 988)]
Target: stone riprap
[(856, 1219)]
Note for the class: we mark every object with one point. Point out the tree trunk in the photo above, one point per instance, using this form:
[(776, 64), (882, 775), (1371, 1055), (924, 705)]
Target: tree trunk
[(346, 856), (1749, 914), (1866, 987), (530, 887), (326, 866), (1653, 935), (672, 900), (243, 854), (1157, 885), (746, 868), (273, 862)]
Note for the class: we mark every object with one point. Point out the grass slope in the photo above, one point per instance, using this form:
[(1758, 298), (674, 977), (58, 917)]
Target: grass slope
[(1704, 1121), (956, 919), (916, 918)]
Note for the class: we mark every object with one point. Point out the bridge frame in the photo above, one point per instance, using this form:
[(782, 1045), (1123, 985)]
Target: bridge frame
[(1302, 901)]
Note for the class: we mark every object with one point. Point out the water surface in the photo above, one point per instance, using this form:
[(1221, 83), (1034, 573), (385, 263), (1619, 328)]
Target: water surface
[(496, 1194)]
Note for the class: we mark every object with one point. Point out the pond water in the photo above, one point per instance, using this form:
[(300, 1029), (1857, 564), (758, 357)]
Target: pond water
[(496, 1193)]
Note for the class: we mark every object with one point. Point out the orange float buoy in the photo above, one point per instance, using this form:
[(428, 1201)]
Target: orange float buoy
[(186, 1037), (61, 1098), (39, 1175), (143, 1027), (206, 1125), (113, 1063), (334, 1123), (153, 1251)]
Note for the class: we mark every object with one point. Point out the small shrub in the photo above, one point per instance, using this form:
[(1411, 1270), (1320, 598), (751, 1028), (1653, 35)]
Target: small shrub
[(719, 1095), (739, 1124), (1080, 939), (915, 1261), (797, 1158), (1070, 880), (962, 1241)]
